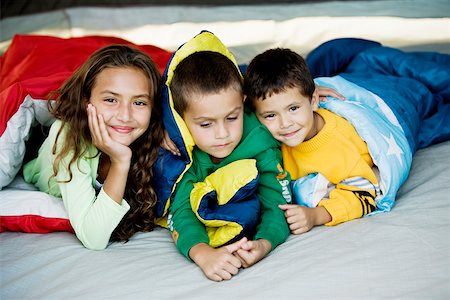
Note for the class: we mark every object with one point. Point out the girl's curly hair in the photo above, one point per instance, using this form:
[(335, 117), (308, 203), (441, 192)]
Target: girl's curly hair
[(70, 108)]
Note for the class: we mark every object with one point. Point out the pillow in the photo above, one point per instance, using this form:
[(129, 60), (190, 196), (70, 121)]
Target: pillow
[(17, 131), (26, 210)]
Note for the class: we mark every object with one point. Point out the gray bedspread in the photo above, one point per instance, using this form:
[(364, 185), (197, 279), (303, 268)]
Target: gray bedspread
[(402, 254)]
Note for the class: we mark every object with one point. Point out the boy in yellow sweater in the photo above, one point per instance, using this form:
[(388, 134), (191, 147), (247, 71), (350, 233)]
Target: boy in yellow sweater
[(315, 141)]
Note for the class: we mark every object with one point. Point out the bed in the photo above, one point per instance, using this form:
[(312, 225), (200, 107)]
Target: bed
[(403, 253)]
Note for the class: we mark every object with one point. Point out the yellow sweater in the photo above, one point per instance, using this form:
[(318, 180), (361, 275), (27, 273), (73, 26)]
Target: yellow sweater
[(339, 154)]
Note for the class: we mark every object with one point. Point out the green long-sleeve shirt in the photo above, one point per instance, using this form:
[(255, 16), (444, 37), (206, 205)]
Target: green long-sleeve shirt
[(273, 188), (93, 217)]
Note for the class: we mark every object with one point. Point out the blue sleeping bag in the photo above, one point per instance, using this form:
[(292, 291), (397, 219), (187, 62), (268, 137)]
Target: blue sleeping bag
[(398, 102)]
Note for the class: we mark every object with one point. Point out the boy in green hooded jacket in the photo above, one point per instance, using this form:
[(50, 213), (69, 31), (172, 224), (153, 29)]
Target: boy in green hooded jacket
[(207, 92)]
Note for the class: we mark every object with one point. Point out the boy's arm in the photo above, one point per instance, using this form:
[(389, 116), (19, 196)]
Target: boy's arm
[(301, 218), (351, 199), (192, 240), (186, 228), (274, 189)]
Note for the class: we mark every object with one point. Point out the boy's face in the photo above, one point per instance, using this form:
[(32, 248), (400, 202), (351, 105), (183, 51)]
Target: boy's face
[(288, 115), (216, 122)]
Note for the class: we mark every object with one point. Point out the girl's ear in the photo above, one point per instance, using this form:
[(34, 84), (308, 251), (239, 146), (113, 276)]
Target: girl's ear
[(245, 98), (315, 100)]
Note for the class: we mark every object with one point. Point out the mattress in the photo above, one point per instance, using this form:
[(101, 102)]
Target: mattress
[(401, 254)]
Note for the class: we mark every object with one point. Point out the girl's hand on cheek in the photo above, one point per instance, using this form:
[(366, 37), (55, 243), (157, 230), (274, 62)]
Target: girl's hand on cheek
[(103, 141)]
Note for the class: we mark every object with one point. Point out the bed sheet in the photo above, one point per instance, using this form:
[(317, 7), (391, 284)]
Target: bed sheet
[(401, 254)]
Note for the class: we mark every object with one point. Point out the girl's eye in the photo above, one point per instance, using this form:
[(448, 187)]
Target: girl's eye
[(269, 116), (111, 100), (140, 103), (232, 118), (205, 124), (293, 108)]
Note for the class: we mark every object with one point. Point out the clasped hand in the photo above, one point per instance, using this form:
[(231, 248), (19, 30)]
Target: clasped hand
[(222, 263)]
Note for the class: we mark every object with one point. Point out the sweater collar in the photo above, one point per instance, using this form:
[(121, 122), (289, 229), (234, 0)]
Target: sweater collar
[(323, 137)]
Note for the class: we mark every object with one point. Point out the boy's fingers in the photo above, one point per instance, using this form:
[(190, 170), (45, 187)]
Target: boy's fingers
[(174, 148), (245, 257), (224, 274), (339, 96), (247, 245), (172, 145), (300, 230), (216, 277), (294, 226), (286, 206), (235, 264), (244, 264), (326, 91), (241, 260), (236, 245), (168, 144)]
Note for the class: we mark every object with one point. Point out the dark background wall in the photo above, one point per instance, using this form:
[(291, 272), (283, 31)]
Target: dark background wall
[(10, 8)]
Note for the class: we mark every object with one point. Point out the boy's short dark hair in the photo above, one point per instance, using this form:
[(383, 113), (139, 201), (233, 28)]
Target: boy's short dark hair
[(203, 72), (274, 71)]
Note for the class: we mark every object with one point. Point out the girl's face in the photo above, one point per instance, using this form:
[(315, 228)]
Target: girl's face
[(122, 96)]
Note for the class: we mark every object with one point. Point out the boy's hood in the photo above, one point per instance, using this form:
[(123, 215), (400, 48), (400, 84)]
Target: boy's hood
[(173, 122), (169, 169)]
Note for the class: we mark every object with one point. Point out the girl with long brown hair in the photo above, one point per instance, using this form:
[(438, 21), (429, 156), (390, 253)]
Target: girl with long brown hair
[(99, 154)]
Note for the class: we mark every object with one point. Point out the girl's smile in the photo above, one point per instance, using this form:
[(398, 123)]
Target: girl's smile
[(122, 129)]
